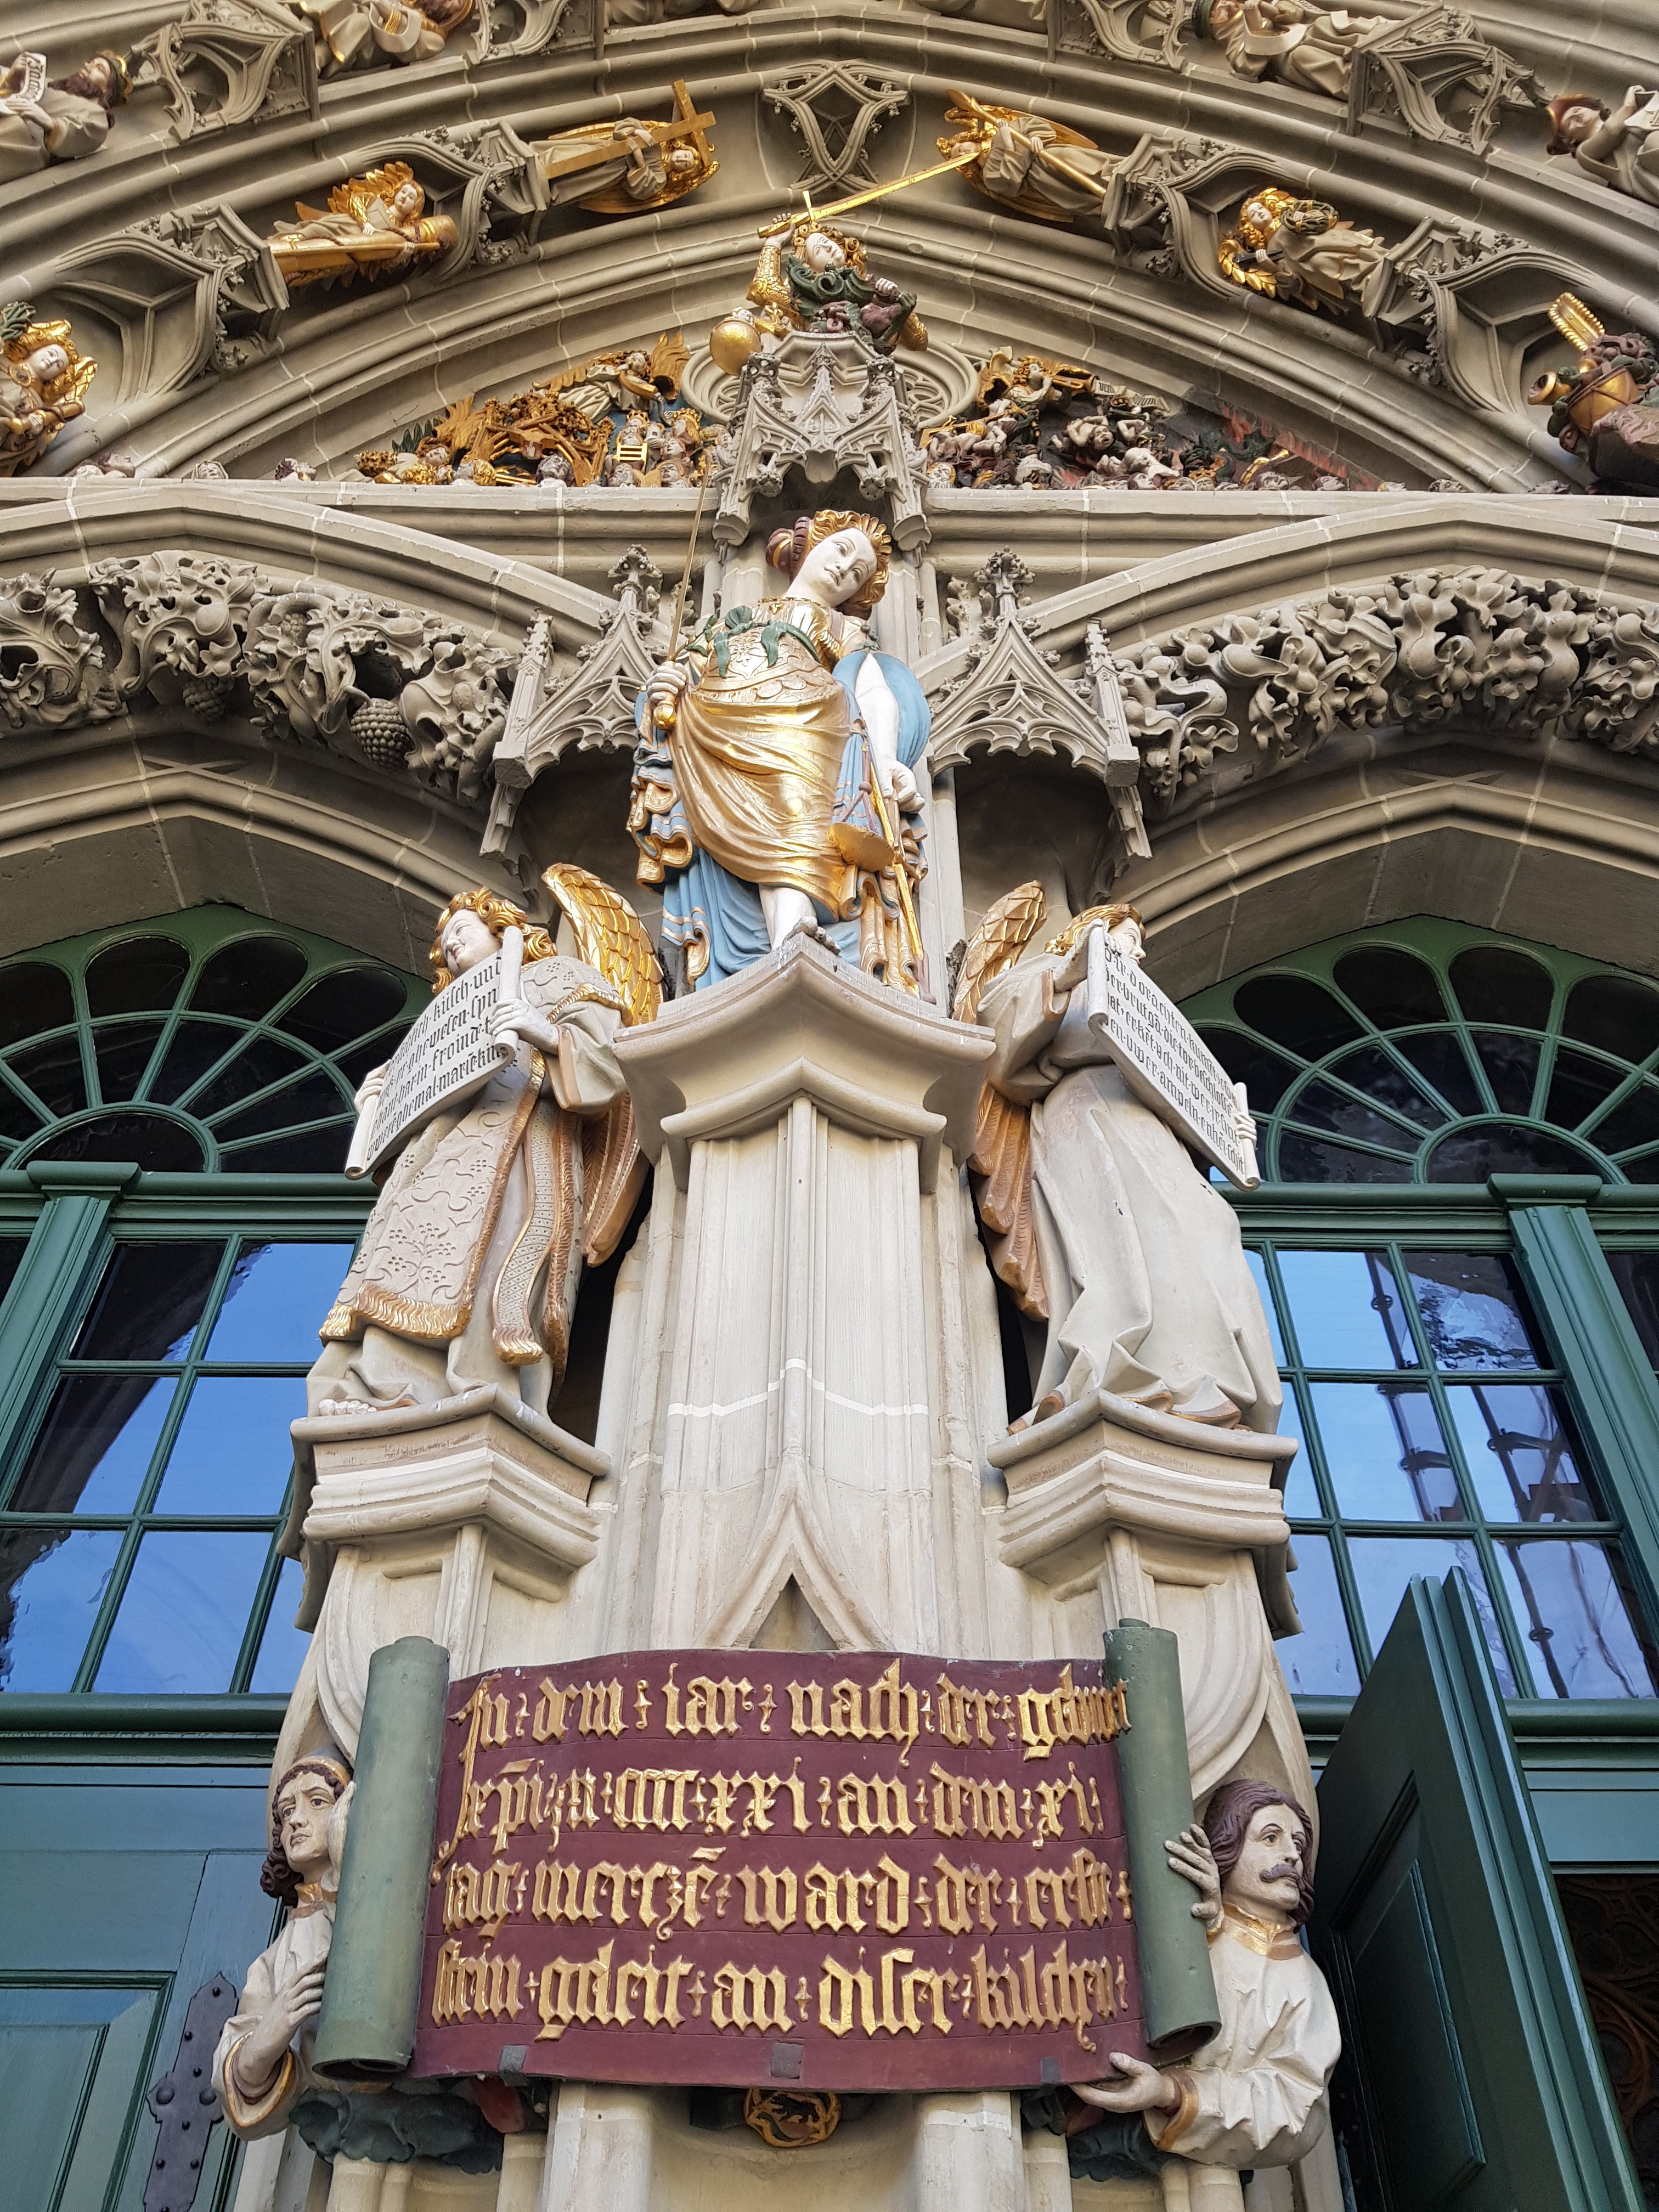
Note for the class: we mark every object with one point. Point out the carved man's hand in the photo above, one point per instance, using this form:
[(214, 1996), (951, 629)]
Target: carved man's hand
[(260, 2051), (1190, 1855), (1143, 2088)]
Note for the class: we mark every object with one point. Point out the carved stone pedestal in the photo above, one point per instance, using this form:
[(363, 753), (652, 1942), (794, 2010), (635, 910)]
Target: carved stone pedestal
[(1183, 1526), (462, 1520), (788, 1424)]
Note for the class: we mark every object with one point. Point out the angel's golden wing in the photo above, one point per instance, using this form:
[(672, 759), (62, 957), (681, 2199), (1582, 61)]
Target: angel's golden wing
[(1000, 1162), (580, 373), (611, 936), (668, 360), (1007, 928), (358, 194)]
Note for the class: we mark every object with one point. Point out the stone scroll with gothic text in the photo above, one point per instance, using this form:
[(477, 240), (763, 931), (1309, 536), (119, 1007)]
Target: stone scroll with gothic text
[(841, 1871), (1163, 1059)]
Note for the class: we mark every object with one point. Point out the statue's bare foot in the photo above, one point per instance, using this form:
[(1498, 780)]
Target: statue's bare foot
[(818, 934)]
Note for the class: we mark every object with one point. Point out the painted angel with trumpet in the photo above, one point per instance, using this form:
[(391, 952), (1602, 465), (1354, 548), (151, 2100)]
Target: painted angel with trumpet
[(1094, 1213), (468, 1271)]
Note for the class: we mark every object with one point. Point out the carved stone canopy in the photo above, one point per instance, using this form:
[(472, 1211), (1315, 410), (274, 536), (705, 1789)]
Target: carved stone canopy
[(820, 403), (834, 109)]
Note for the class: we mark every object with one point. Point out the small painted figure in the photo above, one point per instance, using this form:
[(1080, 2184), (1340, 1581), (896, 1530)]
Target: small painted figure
[(61, 119), (263, 2064), (814, 277), (1041, 169), (1254, 2096), (1293, 43), (1300, 251), (626, 167), (1620, 147), (364, 33), (43, 383), (373, 227)]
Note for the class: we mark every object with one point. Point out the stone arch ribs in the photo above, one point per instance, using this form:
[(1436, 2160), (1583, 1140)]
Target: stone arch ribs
[(1407, 615), (553, 295)]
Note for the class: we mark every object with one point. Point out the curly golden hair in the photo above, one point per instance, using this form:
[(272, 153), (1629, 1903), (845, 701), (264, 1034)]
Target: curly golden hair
[(497, 915), (1111, 915), (787, 549)]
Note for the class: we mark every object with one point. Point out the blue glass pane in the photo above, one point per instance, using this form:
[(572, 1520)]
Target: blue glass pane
[(95, 1445), (1580, 1628), (1386, 1457), (278, 1297), (1519, 1453), (1259, 1270), (1320, 1662), (51, 1583), (1474, 1315), (1383, 1565), (232, 1452), (283, 1645), (1301, 1490), (184, 1613), (1346, 1309)]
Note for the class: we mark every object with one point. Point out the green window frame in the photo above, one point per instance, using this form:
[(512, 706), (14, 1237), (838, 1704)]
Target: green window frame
[(1359, 1022), (202, 1490)]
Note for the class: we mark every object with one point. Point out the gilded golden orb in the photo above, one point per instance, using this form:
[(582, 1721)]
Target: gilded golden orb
[(732, 342)]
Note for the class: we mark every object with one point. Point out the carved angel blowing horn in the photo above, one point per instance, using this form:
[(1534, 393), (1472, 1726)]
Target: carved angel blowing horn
[(1095, 1218), (469, 1266)]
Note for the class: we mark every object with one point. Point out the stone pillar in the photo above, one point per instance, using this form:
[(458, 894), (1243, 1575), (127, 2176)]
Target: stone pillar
[(1183, 1526), (801, 1112), (462, 1522)]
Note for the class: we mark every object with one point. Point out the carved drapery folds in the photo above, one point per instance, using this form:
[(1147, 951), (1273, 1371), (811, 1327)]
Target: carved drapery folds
[(1535, 657), (365, 676)]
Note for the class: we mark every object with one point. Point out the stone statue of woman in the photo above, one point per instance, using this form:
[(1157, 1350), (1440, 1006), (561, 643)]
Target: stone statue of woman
[(1096, 1217), (263, 2064), (468, 1269), (776, 778)]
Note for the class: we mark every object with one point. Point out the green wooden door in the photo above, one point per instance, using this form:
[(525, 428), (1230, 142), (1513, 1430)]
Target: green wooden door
[(1471, 2075), (124, 1891)]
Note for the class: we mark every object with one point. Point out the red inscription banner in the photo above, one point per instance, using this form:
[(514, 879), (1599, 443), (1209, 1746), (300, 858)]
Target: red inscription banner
[(848, 1871)]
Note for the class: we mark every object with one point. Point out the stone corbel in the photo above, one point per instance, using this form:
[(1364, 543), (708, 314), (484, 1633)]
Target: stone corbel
[(821, 403), (1011, 698), (592, 709)]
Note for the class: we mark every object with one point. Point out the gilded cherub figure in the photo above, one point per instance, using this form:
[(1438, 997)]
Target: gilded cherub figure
[(57, 119), (374, 225), (43, 383), (1620, 147), (1300, 251), (1040, 169), (623, 168), (811, 277)]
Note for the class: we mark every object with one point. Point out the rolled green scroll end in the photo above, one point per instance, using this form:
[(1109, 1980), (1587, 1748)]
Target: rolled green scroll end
[(373, 1986), (1177, 1990)]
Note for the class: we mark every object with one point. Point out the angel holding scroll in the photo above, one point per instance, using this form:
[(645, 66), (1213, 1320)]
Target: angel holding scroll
[(1096, 1217), (469, 1266)]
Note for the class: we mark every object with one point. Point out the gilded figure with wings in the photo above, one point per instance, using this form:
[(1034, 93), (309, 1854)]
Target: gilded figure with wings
[(43, 384), (373, 226), (1095, 1216), (469, 1266)]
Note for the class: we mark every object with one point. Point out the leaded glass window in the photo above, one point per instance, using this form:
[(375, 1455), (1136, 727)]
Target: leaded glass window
[(206, 1041), (1429, 1052), (1435, 1433)]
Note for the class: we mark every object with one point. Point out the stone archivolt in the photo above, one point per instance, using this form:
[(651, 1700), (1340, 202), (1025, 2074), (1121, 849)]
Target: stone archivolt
[(366, 676)]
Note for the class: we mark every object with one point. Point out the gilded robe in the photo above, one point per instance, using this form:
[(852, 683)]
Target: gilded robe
[(765, 779), (1147, 1288), (469, 1266), (303, 1941)]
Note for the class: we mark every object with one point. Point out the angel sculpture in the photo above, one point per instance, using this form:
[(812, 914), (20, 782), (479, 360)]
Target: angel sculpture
[(43, 384), (811, 277), (626, 167), (1310, 47), (1094, 1215), (62, 119), (1039, 167), (374, 227), (1300, 251), (469, 1266)]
